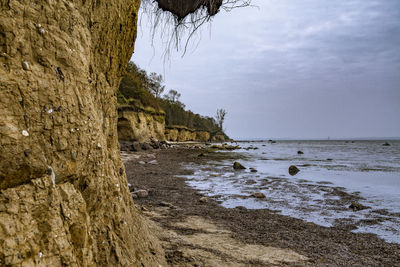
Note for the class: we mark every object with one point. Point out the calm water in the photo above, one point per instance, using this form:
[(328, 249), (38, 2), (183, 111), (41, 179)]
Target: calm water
[(333, 174)]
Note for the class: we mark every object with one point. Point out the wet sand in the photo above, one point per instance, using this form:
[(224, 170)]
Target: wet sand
[(196, 233)]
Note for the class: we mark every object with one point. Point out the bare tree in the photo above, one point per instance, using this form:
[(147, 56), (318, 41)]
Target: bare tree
[(173, 96), (155, 84), (220, 118)]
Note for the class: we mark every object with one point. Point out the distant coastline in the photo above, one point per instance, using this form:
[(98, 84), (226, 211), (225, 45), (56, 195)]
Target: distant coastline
[(318, 139)]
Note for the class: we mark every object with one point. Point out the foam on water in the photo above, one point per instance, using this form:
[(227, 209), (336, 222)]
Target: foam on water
[(332, 175)]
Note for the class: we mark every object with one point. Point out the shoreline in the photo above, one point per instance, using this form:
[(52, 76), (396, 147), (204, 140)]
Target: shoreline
[(184, 223)]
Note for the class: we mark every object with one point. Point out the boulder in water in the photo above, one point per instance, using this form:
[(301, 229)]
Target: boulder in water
[(258, 195), (355, 206), (293, 170), (238, 166)]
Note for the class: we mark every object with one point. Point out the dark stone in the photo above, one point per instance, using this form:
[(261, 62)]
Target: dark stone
[(355, 206), (155, 144), (27, 152), (135, 147), (258, 195), (386, 144), (293, 170), (146, 146), (300, 152), (165, 204), (238, 166)]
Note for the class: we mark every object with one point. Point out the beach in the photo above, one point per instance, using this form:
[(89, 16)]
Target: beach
[(196, 230)]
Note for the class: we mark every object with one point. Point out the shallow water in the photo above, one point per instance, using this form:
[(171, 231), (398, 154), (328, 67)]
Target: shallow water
[(333, 174)]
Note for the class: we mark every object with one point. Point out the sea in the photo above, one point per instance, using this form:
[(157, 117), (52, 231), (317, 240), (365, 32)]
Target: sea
[(332, 176)]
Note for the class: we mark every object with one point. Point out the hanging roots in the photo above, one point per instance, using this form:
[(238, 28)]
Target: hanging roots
[(179, 20)]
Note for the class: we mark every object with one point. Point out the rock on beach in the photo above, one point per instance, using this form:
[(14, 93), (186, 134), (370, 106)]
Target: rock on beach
[(140, 194)]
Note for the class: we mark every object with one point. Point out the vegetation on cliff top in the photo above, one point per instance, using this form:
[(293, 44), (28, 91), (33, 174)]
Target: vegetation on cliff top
[(141, 90)]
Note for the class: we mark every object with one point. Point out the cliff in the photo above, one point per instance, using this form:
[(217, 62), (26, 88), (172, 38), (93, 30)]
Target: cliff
[(64, 197), (183, 134), (140, 124)]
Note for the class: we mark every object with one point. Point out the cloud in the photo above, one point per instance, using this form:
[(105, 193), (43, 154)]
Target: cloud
[(309, 56)]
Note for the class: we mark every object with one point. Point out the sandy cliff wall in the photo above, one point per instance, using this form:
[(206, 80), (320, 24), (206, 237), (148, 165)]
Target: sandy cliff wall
[(183, 134), (140, 125), (64, 198)]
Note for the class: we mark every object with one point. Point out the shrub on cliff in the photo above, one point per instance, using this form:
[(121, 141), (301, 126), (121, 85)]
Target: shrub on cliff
[(135, 86)]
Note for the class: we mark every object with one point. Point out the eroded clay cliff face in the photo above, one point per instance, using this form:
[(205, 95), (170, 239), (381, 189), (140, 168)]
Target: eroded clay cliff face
[(183, 134), (143, 124), (140, 125), (64, 197)]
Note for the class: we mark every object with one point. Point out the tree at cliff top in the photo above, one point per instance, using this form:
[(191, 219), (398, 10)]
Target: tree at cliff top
[(155, 86), (173, 96), (220, 118), (135, 89)]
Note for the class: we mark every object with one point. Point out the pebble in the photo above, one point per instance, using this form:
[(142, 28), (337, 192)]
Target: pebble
[(141, 193), (25, 65), (203, 200), (165, 204)]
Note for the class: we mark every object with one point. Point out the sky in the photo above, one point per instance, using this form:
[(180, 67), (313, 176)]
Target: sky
[(290, 69)]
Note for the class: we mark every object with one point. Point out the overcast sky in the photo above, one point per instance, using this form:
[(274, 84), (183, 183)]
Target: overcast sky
[(292, 69)]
